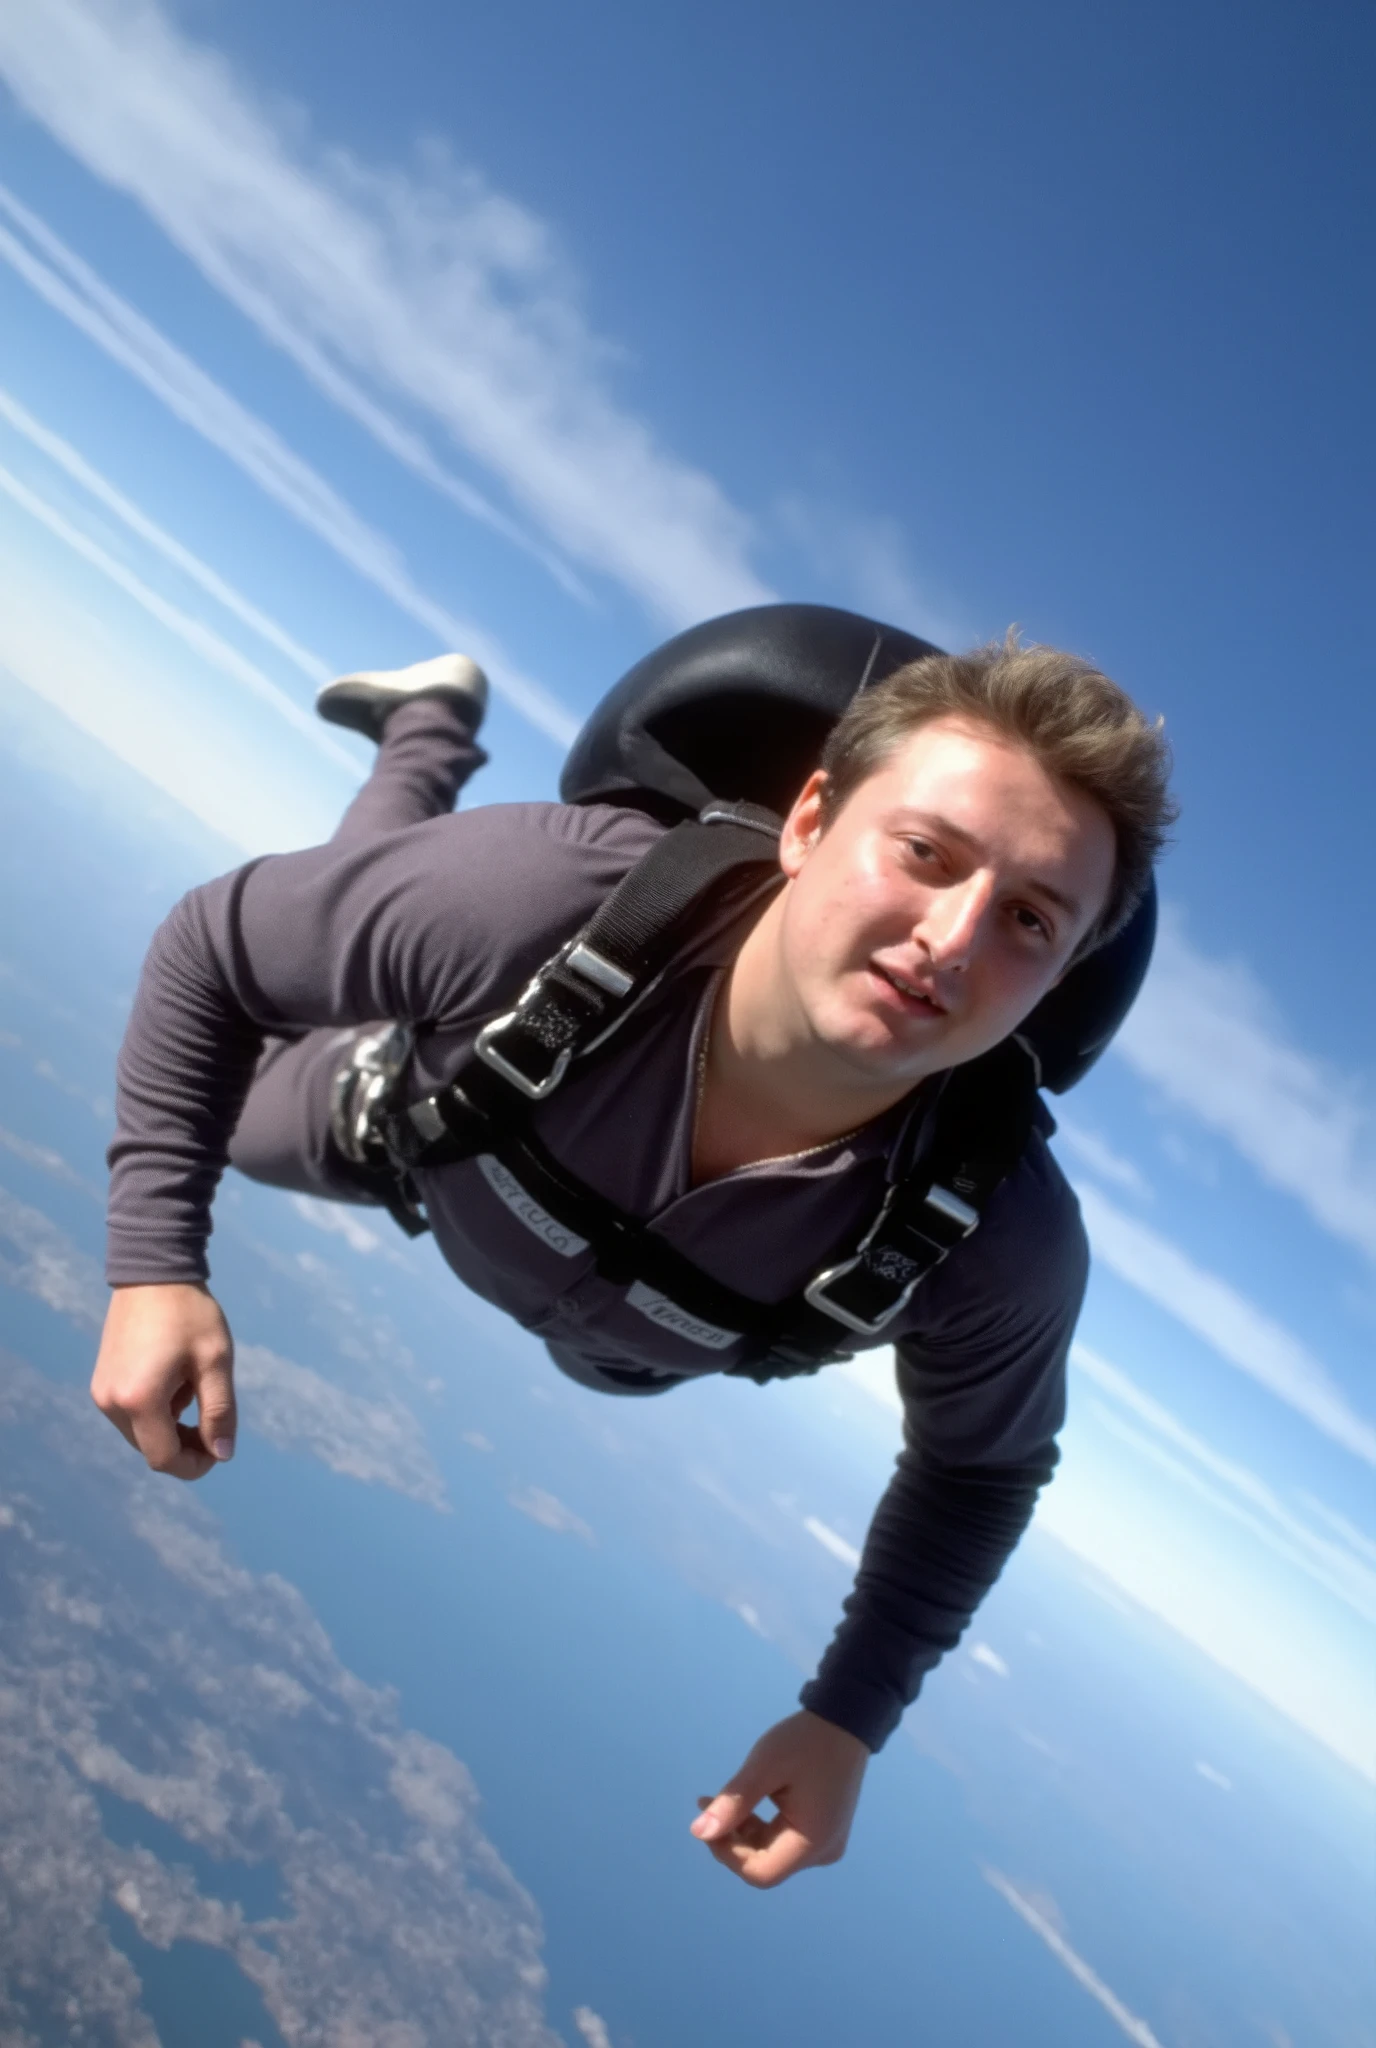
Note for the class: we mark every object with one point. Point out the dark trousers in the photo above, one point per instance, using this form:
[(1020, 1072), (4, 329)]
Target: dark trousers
[(283, 1135)]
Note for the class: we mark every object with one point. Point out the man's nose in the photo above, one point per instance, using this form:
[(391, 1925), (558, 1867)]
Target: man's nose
[(951, 928)]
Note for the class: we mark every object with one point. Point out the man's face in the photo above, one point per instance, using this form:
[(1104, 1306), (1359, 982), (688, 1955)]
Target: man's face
[(941, 903)]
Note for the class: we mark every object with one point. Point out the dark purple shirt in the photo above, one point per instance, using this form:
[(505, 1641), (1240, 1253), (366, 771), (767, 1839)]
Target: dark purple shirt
[(440, 924)]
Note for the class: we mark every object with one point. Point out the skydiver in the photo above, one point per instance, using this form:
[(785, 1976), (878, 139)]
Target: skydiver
[(975, 828)]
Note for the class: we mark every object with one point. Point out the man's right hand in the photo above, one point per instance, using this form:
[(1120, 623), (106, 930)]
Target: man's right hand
[(163, 1348)]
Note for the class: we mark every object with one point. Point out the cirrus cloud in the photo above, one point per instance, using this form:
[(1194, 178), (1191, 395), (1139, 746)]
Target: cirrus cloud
[(421, 292)]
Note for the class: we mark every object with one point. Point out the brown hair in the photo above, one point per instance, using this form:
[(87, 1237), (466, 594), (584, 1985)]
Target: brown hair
[(1081, 727)]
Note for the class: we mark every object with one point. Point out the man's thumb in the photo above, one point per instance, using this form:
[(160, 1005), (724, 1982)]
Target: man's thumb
[(219, 1419), (726, 1811)]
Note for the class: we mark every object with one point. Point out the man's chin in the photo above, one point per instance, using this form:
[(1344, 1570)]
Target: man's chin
[(899, 1058)]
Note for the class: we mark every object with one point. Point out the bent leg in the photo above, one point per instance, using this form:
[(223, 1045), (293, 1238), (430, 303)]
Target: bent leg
[(426, 755)]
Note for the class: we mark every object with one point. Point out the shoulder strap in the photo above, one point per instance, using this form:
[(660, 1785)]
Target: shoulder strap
[(584, 991)]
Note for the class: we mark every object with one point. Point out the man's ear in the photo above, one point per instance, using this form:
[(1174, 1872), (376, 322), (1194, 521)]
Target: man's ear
[(803, 825)]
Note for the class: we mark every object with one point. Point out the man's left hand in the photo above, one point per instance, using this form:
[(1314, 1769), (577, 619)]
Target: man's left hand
[(812, 1770)]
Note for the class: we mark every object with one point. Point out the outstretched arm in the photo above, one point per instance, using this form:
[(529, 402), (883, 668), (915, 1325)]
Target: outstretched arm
[(937, 1543), (939, 1539), (435, 924), (982, 1383)]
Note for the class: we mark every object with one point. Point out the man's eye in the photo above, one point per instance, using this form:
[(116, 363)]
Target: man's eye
[(1032, 921), (922, 848)]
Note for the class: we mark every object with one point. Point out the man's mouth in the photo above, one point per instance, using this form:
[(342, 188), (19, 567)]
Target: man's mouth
[(917, 996)]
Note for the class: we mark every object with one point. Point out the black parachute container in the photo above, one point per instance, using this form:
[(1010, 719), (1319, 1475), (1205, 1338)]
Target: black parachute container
[(739, 707)]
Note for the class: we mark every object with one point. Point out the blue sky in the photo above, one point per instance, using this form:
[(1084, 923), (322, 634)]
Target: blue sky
[(542, 333)]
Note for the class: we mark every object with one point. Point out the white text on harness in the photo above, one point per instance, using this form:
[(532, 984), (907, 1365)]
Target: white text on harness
[(508, 1189), (670, 1316)]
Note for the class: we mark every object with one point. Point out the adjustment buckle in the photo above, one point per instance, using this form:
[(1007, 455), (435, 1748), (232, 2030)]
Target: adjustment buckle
[(599, 973), (816, 1293), (952, 1208), (536, 1088), (599, 970), (946, 1205)]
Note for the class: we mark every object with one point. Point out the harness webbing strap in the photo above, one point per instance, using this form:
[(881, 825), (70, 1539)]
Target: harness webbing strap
[(625, 1249), (638, 926), (979, 1128), (626, 943), (977, 1131)]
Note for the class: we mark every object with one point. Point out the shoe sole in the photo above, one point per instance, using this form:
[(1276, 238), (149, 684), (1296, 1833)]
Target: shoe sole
[(362, 703)]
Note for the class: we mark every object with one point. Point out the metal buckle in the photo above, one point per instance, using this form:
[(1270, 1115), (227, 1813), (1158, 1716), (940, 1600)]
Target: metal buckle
[(487, 1051), (423, 1119), (599, 970), (816, 1293), (362, 1087), (952, 1208), (591, 966), (938, 1198)]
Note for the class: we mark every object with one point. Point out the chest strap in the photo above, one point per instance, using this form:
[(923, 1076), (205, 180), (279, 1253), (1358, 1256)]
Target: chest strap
[(976, 1134)]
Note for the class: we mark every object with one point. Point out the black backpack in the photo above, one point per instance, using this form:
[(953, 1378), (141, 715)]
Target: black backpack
[(713, 734)]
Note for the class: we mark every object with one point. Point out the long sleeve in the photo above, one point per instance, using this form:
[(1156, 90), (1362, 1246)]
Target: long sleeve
[(185, 1067), (983, 1387), (938, 1541), (435, 924)]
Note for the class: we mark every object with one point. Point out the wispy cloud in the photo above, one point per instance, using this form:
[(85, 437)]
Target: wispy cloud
[(44, 1262), (337, 1219), (47, 1161), (984, 1654), (1355, 1596), (191, 631), (68, 284), (1237, 1330), (75, 465), (829, 1540), (592, 2027), (1207, 1034), (868, 556), (1135, 2029), (1356, 1538), (1097, 1156), (1338, 1566), (64, 642), (1310, 1665), (397, 440), (297, 1409), (424, 289), (550, 1512)]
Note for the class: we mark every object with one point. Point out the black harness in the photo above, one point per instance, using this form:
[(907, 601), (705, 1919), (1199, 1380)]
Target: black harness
[(978, 1128)]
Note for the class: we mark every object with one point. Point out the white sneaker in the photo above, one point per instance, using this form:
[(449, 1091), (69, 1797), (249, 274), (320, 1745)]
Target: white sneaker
[(363, 701)]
